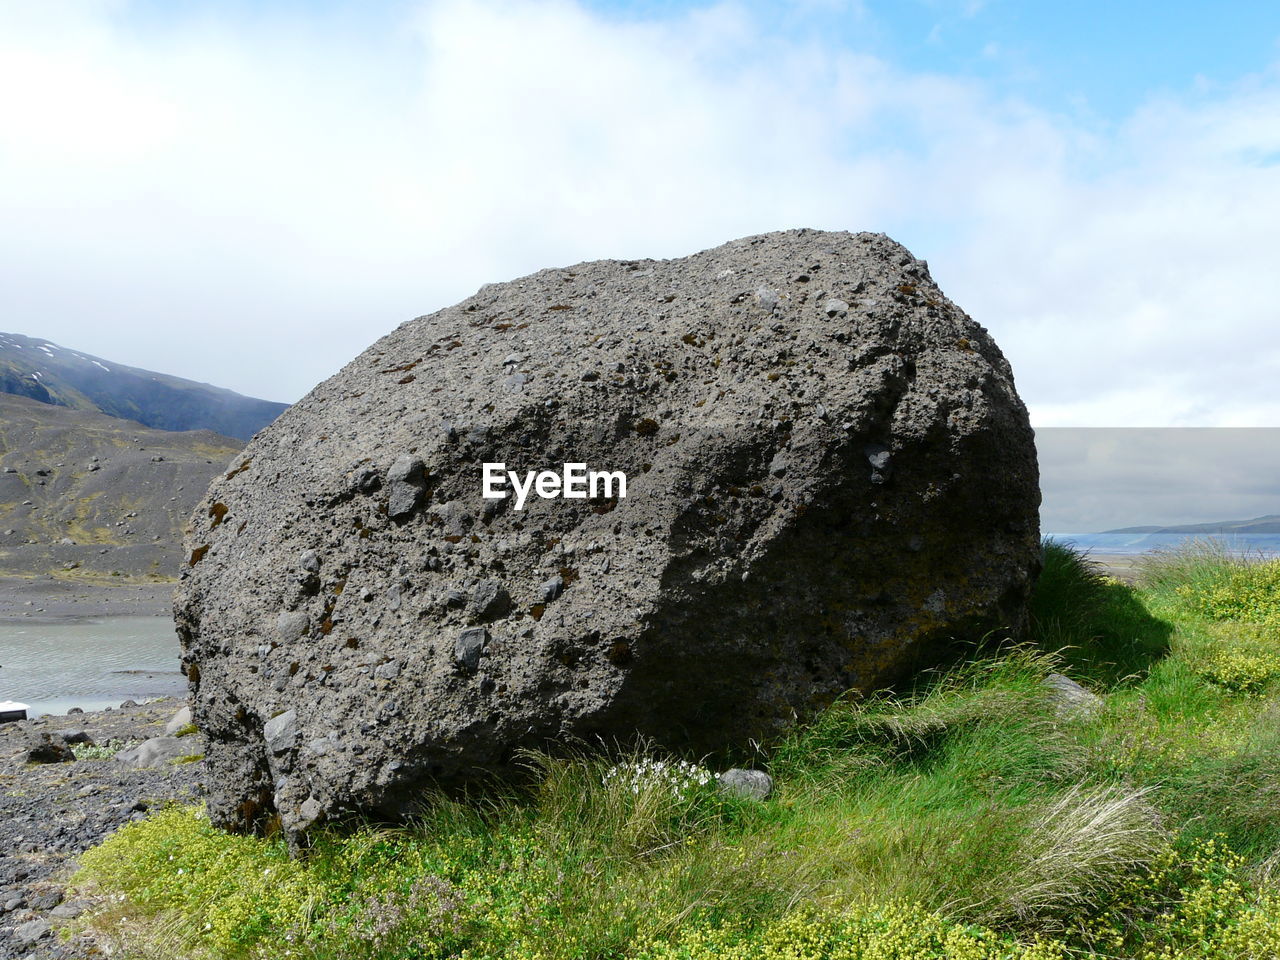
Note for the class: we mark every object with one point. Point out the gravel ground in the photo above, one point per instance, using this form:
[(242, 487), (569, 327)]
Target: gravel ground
[(51, 812)]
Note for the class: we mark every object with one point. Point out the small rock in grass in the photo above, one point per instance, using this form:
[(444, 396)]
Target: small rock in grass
[(1071, 699), (749, 784), (69, 910)]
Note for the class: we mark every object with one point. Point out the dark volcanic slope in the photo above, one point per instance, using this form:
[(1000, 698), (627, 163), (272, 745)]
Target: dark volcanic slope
[(103, 493), (52, 374), (1268, 524)]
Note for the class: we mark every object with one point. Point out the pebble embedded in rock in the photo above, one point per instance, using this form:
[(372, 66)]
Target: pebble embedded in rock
[(551, 589), (311, 810), (407, 469), (387, 671), (406, 477), (281, 732), (469, 645), (290, 625), (489, 601)]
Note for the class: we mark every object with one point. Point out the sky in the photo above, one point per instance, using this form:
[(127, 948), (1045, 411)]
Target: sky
[(250, 193)]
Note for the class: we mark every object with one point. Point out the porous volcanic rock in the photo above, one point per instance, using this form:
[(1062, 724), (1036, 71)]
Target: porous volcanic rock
[(829, 477)]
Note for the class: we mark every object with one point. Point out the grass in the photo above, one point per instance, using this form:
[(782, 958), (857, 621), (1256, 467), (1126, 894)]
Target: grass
[(963, 818), (100, 578), (106, 750), (1100, 627)]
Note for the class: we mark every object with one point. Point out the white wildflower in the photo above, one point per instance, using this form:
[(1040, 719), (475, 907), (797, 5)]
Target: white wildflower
[(680, 777)]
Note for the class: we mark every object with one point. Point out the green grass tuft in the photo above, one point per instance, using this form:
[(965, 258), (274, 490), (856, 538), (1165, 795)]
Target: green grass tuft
[(1098, 625)]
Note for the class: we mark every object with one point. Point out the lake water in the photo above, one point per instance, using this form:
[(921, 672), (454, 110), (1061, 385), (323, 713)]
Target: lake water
[(90, 663), (1254, 544)]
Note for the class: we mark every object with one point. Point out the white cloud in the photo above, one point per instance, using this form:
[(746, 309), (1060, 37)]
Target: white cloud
[(1146, 286), (1101, 479), (228, 202)]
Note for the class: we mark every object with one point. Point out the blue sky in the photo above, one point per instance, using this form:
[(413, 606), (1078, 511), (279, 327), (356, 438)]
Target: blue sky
[(1096, 183), (1097, 59)]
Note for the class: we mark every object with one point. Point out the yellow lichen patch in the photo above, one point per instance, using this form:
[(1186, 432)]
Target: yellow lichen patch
[(81, 530)]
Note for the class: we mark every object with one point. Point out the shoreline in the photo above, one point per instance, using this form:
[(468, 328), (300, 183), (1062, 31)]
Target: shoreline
[(41, 599), (1122, 566)]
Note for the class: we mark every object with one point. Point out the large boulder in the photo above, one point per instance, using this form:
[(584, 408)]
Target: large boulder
[(829, 478)]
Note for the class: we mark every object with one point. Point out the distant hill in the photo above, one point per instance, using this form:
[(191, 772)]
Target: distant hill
[(1268, 524), (85, 495), (52, 374)]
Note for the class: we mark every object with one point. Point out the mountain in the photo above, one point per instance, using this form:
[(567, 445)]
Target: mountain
[(85, 495), (1268, 524), (52, 374)]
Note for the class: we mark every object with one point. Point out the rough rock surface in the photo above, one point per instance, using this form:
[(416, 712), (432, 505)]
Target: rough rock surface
[(830, 476)]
